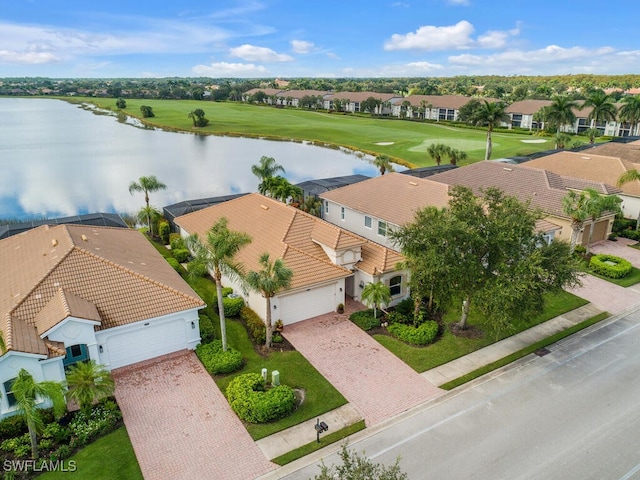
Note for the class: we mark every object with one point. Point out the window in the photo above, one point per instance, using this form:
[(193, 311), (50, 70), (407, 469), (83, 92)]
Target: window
[(326, 207), (341, 213), (367, 221), (395, 285), (8, 389), (382, 228)]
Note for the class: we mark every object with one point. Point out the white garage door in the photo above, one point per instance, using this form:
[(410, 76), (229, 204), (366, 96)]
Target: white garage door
[(146, 342), (301, 306)]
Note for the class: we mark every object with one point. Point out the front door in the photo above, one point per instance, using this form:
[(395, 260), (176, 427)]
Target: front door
[(75, 354)]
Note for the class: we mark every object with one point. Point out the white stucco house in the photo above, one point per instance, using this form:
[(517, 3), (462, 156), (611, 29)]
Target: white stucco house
[(71, 293), (328, 262)]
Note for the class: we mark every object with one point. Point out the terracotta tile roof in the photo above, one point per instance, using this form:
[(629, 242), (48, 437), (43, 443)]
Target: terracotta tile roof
[(542, 188), (527, 107), (628, 152), (267, 91), (110, 274), (393, 197), (442, 101), (301, 93), (602, 170), (288, 233), (362, 96)]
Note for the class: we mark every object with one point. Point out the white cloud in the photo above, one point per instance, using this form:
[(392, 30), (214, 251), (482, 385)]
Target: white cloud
[(430, 37), (549, 54), (300, 46), (225, 69), (33, 58), (251, 53), (465, 3)]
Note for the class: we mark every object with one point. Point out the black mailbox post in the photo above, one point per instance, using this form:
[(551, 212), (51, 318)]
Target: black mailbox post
[(320, 427)]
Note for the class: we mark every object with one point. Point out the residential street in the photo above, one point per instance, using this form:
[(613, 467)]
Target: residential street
[(571, 414)]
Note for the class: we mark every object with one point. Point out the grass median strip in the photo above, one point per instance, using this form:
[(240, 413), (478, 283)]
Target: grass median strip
[(524, 352), (324, 441)]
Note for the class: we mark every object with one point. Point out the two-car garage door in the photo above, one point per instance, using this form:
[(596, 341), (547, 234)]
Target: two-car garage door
[(147, 340), (303, 305)]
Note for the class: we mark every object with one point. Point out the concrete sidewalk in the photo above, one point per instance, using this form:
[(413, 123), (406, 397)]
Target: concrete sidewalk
[(292, 438)]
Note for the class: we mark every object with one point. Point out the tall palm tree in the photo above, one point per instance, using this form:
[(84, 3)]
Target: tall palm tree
[(597, 205), (376, 295), (383, 162), (456, 156), (630, 176), (437, 151), (217, 255), (147, 185), (27, 391), (630, 112), (491, 115), (88, 382), (560, 112), (273, 277), (266, 169), (574, 206), (602, 107)]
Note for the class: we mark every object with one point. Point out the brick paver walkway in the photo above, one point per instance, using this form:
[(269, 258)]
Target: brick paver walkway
[(372, 379), (180, 424)]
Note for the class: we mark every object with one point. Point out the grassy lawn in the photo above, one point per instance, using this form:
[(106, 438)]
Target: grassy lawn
[(109, 458), (450, 347), (410, 139)]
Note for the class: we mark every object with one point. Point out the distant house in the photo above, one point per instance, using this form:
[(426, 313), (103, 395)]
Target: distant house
[(597, 168), (93, 219), (375, 207), (542, 188), (354, 101), (291, 98), (433, 107), (314, 188), (521, 113), (170, 212), (71, 293), (327, 262)]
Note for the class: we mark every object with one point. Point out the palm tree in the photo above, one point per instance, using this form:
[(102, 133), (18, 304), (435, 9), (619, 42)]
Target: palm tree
[(630, 112), (587, 205), (437, 151), (26, 392), (150, 216), (280, 188), (597, 205), (591, 133), (147, 185), (88, 382), (273, 277), (562, 139), (630, 176), (266, 169), (602, 107), (312, 205), (383, 162), (560, 112), (375, 294), (491, 114), (217, 255), (573, 205), (456, 156)]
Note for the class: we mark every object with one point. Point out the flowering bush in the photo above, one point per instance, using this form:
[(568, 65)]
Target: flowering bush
[(101, 420)]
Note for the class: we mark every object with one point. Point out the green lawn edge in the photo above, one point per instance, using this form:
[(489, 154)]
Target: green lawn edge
[(524, 352), (97, 460), (631, 279), (324, 441)]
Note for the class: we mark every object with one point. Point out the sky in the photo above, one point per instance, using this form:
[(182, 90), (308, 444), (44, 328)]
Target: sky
[(306, 38)]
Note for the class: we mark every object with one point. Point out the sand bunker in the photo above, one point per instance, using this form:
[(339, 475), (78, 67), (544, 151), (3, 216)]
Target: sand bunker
[(535, 140), (385, 143)]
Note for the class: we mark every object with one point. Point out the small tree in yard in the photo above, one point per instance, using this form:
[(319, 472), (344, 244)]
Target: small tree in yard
[(376, 295), (87, 383), (273, 277), (359, 467)]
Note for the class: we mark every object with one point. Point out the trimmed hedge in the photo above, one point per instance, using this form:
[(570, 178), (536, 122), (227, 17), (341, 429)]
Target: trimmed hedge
[(365, 319), (176, 241), (620, 268), (217, 361), (422, 335), (175, 264), (255, 325), (207, 331), (252, 403), (181, 254)]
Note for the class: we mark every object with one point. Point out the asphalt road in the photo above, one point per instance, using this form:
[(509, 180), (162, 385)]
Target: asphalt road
[(571, 414)]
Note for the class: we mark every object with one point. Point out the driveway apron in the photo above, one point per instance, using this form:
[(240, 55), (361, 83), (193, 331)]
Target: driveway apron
[(377, 383), (181, 425)]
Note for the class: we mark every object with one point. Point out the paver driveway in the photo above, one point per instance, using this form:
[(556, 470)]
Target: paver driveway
[(180, 424), (376, 382)]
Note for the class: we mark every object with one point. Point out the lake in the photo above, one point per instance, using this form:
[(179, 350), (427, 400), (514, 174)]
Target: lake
[(58, 159)]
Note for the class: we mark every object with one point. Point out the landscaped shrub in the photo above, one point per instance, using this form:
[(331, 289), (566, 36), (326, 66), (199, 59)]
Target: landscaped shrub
[(232, 306), (421, 335), (252, 403), (164, 229), (176, 241), (216, 361), (622, 224), (397, 317), (405, 307), (631, 234), (197, 269), (101, 420), (610, 266), (226, 291), (20, 446), (207, 331), (175, 264), (12, 427), (255, 325), (181, 254), (365, 319)]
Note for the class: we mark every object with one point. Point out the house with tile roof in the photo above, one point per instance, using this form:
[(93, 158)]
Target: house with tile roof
[(327, 262), (375, 207), (433, 107), (71, 293), (354, 101), (597, 168), (543, 189)]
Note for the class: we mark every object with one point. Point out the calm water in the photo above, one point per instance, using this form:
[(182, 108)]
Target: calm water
[(59, 159)]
